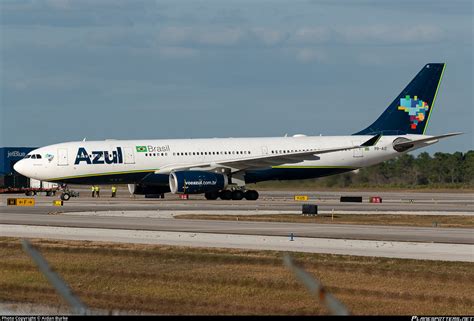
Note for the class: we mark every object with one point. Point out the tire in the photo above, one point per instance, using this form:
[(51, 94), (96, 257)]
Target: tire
[(225, 195), (251, 195), (211, 195), (29, 193), (49, 193), (65, 196), (237, 195)]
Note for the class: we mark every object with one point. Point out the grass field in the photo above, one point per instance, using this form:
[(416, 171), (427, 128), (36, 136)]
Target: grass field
[(363, 219), (180, 280)]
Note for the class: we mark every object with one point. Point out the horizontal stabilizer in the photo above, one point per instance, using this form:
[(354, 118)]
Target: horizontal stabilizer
[(407, 144)]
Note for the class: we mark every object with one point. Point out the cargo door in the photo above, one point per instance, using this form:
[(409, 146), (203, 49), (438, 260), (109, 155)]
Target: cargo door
[(129, 155), (357, 152), (62, 157)]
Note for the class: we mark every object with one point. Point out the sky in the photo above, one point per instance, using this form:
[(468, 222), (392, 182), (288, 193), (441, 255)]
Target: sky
[(117, 69)]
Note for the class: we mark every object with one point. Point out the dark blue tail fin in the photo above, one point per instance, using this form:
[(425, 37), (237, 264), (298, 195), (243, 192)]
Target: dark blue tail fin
[(410, 111)]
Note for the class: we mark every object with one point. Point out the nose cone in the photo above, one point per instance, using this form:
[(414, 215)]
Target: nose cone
[(24, 168), (20, 167)]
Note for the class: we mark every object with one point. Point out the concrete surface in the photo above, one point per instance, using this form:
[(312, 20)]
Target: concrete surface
[(409, 250)]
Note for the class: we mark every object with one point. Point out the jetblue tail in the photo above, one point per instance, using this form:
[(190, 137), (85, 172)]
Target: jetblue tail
[(410, 111)]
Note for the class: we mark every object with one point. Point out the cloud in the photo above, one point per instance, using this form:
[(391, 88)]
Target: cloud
[(177, 52), (306, 55), (270, 36), (312, 35), (59, 4), (384, 34), (202, 36), (226, 36)]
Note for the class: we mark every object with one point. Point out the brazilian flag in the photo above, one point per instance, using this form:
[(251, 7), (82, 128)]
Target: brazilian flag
[(141, 149)]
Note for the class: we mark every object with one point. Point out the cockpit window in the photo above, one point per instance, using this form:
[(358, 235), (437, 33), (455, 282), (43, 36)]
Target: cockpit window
[(38, 156), (27, 156), (33, 156)]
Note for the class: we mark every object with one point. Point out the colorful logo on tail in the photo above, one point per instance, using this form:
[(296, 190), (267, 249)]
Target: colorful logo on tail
[(416, 109)]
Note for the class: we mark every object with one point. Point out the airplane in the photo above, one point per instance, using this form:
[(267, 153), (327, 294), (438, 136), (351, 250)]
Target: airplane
[(222, 167)]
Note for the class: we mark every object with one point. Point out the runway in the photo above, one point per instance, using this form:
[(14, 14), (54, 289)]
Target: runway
[(410, 250), (399, 202), (150, 220), (335, 231)]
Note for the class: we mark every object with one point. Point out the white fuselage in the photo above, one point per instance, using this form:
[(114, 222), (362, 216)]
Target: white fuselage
[(61, 162)]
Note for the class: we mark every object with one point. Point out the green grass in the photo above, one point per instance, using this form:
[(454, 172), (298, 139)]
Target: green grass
[(182, 280)]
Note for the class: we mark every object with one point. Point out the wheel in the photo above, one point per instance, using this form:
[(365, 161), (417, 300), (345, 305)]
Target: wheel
[(251, 195), (65, 196), (237, 195), (226, 195), (49, 193), (30, 193), (211, 195)]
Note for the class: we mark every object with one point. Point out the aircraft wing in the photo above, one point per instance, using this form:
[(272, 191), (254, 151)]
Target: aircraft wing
[(407, 143), (263, 160)]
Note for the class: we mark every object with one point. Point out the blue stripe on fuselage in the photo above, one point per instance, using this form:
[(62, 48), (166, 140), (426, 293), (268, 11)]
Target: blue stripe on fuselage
[(251, 176)]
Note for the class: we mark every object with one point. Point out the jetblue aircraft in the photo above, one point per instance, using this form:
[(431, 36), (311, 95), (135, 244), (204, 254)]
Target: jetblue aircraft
[(221, 167)]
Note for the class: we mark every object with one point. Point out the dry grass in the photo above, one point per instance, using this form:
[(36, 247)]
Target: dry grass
[(363, 219), (181, 280)]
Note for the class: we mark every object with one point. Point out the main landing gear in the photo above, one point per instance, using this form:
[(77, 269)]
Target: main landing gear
[(235, 195)]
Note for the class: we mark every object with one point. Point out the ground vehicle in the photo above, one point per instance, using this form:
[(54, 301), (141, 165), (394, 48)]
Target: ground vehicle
[(17, 184)]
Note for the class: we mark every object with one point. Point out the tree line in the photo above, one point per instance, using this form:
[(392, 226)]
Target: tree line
[(441, 170)]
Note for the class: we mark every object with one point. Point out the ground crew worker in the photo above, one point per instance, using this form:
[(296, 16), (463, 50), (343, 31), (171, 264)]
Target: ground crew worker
[(93, 190), (114, 191), (97, 191)]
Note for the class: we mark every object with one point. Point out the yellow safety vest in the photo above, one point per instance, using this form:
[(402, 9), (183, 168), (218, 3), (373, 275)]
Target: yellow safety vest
[(114, 189), (93, 188)]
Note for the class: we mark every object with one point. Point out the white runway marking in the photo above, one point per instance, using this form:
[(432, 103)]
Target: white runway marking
[(409, 250)]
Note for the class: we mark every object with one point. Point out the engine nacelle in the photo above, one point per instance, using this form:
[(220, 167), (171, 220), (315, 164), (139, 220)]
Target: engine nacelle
[(196, 182), (139, 189)]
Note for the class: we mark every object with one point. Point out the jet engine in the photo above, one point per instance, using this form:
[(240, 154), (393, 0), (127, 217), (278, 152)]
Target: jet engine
[(196, 182)]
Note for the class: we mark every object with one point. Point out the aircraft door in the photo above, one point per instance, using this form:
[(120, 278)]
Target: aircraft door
[(129, 155), (62, 157), (264, 150)]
